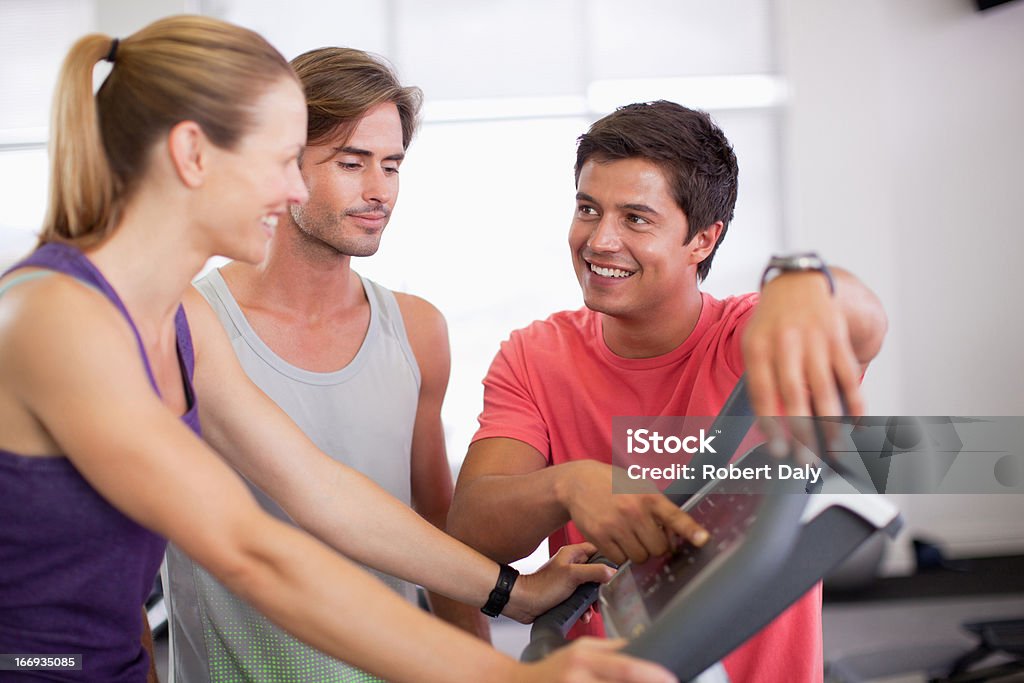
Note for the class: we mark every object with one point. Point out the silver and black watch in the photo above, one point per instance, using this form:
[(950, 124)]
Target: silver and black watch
[(794, 263)]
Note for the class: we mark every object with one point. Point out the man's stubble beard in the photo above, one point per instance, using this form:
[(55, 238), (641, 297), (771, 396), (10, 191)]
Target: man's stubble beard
[(324, 231)]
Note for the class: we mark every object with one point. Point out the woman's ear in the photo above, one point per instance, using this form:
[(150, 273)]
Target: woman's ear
[(188, 147)]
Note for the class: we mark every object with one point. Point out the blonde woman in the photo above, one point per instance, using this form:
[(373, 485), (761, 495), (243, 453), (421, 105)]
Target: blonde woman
[(188, 150)]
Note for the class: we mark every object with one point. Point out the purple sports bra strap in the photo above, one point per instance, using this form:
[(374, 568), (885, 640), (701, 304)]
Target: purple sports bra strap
[(69, 260)]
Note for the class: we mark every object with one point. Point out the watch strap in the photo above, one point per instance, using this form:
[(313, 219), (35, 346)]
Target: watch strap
[(502, 591), (796, 263)]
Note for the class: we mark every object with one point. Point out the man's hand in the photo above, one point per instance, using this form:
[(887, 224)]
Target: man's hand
[(798, 351), (633, 525), (805, 351)]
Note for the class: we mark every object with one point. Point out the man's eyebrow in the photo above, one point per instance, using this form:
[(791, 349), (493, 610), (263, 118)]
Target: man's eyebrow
[(642, 208), (351, 150), (357, 151)]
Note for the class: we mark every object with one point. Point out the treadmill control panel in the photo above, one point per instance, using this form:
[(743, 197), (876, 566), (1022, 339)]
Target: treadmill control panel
[(637, 593)]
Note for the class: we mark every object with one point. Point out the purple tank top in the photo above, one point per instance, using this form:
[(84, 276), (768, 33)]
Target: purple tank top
[(74, 571)]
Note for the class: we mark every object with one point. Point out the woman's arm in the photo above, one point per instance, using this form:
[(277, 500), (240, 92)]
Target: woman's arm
[(79, 374)]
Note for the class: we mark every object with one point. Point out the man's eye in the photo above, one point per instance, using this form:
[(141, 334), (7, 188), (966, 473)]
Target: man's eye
[(350, 165), (636, 220), (391, 169), (586, 210)]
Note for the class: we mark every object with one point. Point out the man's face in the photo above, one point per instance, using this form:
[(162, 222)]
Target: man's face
[(627, 240), (353, 184)]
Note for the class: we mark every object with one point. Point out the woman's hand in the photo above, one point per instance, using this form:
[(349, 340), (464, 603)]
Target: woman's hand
[(534, 594), (593, 659)]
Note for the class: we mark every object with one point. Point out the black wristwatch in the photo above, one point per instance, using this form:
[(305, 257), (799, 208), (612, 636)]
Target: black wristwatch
[(809, 261), (502, 591)]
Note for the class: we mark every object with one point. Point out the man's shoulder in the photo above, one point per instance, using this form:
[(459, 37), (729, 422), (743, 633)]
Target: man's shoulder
[(228, 282), (405, 300), (414, 305), (563, 326), (212, 287), (207, 282), (423, 327), (423, 321), (731, 308)]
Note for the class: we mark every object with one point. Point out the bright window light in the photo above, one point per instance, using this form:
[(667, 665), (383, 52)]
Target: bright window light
[(746, 91), (501, 108)]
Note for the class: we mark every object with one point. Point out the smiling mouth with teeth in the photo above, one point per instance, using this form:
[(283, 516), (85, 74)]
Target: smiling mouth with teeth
[(269, 221), (610, 272)]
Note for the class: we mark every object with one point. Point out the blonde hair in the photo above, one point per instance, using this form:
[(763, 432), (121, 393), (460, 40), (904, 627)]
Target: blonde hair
[(182, 68)]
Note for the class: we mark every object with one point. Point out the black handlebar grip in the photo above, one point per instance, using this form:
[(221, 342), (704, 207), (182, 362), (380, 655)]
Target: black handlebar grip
[(550, 629)]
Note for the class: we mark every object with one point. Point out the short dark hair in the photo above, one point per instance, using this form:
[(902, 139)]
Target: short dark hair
[(691, 150), (341, 84)]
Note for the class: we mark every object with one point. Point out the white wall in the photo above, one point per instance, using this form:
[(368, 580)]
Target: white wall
[(34, 37), (904, 159)]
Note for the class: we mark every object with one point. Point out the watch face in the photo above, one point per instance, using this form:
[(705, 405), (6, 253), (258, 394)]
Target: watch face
[(808, 261)]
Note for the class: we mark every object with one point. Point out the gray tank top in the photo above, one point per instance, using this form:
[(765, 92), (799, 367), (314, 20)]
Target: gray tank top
[(361, 415)]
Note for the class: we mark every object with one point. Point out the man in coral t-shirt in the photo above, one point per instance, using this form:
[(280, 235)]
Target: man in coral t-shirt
[(656, 189)]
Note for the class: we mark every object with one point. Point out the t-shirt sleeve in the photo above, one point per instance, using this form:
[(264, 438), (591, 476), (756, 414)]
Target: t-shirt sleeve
[(510, 408)]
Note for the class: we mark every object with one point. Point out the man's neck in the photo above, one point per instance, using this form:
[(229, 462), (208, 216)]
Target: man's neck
[(654, 332), (297, 281), (309, 307)]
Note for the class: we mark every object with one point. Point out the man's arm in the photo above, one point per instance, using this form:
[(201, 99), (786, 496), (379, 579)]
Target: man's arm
[(431, 474), (804, 347), (507, 499), (506, 502)]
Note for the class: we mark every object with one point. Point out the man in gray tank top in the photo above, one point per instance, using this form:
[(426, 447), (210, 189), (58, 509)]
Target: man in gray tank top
[(362, 370)]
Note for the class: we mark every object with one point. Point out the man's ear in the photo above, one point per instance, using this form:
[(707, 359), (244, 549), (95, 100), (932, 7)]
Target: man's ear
[(703, 243), (188, 147)]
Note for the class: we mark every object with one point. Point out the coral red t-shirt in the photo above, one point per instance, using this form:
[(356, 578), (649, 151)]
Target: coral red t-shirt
[(555, 385)]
